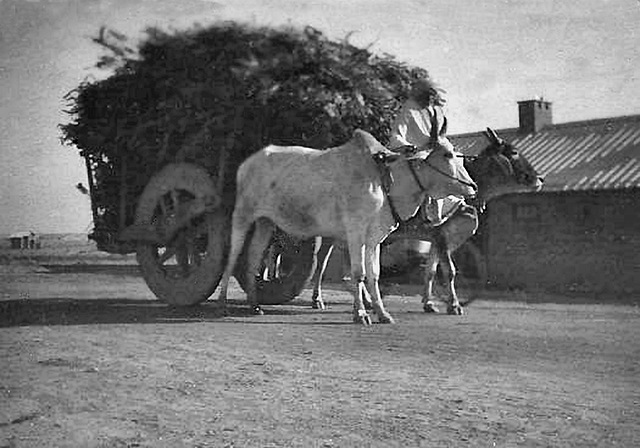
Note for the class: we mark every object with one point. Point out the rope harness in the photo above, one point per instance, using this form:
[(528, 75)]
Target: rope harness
[(387, 178), (387, 182)]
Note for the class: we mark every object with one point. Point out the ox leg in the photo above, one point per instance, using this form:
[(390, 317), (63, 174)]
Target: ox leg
[(430, 270), (271, 264), (356, 255), (443, 254), (372, 268), (449, 271), (324, 250), (259, 243), (239, 229), (268, 264), (439, 253), (366, 298)]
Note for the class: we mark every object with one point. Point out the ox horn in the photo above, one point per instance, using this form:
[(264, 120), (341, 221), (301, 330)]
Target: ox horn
[(492, 136)]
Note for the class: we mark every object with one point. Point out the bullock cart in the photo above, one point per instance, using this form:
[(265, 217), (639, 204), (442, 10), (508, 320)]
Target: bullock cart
[(163, 137), (177, 220)]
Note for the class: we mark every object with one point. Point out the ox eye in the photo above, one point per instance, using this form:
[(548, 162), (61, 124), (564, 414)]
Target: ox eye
[(448, 155)]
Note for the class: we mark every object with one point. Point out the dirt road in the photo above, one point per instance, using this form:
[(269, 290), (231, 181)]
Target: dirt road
[(91, 360)]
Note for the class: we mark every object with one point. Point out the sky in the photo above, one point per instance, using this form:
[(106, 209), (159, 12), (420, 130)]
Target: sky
[(582, 55)]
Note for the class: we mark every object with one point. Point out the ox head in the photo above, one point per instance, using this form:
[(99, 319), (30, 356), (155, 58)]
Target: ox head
[(501, 169), (441, 168)]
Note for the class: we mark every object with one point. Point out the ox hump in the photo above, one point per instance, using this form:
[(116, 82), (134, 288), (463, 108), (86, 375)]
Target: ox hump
[(367, 142)]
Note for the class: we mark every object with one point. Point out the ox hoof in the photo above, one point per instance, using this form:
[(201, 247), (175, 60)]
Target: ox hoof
[(257, 310), (362, 318), (429, 307), (386, 319), (455, 310), (317, 305)]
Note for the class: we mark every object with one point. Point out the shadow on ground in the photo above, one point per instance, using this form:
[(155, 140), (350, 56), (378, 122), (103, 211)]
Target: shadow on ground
[(29, 312)]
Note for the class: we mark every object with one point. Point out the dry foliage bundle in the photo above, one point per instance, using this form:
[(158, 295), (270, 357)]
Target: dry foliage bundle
[(215, 95)]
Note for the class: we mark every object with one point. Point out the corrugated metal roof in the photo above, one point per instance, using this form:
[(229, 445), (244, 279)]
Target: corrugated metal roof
[(581, 155)]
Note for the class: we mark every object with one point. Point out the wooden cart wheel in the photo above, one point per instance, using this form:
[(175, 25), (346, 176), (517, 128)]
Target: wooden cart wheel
[(186, 270), (286, 282)]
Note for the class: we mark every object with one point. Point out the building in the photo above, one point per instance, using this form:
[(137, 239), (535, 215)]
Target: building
[(24, 240), (581, 232)]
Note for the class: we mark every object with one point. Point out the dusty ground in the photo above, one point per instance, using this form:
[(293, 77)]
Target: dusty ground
[(92, 360)]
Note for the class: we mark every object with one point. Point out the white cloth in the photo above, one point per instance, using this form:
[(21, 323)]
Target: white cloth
[(412, 125)]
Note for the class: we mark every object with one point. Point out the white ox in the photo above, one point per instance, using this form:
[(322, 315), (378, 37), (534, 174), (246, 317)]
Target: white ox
[(337, 193)]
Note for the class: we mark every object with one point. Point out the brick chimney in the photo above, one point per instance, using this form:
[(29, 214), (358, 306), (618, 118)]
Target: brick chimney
[(534, 115)]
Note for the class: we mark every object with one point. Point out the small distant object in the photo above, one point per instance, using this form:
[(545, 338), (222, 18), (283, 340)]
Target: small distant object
[(25, 240), (81, 188)]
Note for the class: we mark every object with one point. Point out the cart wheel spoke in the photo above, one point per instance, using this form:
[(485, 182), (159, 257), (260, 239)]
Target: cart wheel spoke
[(182, 255), (164, 209), (174, 200), (166, 255), (195, 256)]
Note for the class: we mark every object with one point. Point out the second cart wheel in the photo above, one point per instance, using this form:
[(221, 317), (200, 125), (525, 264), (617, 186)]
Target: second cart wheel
[(187, 269), (287, 267)]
